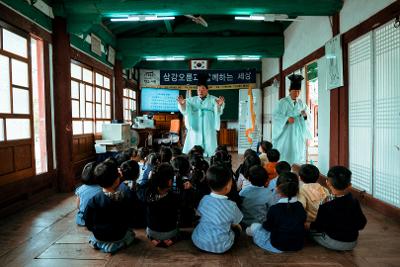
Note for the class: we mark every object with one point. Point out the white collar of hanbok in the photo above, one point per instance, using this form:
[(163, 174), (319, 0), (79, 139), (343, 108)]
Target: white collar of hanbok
[(291, 100), (218, 196), (286, 200)]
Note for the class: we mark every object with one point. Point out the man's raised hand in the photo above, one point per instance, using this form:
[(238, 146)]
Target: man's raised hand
[(220, 100), (181, 100)]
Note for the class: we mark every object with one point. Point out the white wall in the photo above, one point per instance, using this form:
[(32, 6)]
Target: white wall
[(304, 37), (356, 11), (270, 68)]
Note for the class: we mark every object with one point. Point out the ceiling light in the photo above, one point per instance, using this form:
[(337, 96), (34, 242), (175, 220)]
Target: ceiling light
[(252, 17), (249, 58), (168, 58), (127, 18), (158, 18), (227, 58), (175, 58), (141, 18)]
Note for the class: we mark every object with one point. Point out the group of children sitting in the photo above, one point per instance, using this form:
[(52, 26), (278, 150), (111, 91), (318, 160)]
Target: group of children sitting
[(165, 190)]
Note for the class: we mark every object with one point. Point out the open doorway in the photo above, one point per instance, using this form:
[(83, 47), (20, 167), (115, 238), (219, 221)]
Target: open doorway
[(311, 78)]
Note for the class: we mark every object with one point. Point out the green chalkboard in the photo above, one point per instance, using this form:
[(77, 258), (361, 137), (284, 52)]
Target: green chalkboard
[(231, 110)]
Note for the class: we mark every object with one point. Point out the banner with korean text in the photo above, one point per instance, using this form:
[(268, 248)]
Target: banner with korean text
[(187, 79)]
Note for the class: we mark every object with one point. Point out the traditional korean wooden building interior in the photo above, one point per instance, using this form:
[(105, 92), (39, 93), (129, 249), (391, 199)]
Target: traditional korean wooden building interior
[(75, 76)]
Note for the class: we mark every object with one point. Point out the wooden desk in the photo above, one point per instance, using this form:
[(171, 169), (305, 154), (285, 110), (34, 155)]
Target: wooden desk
[(144, 133)]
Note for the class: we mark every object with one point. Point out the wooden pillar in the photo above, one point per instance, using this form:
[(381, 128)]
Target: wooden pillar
[(119, 90), (282, 80), (339, 123), (344, 113), (62, 105)]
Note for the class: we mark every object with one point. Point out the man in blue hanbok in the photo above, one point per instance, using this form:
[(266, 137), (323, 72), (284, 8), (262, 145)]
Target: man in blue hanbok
[(202, 118), (290, 127)]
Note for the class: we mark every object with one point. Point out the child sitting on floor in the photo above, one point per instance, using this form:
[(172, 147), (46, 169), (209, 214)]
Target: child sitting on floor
[(220, 217), (339, 220), (129, 171), (264, 147), (162, 207), (239, 170), (283, 229), (273, 158), (107, 214), (152, 161), (182, 187), (250, 161), (142, 154), (311, 193), (86, 191), (281, 167), (165, 154), (222, 157), (255, 197), (198, 178)]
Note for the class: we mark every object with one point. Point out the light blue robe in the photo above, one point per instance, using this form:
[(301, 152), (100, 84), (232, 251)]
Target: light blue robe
[(202, 120), (290, 139)]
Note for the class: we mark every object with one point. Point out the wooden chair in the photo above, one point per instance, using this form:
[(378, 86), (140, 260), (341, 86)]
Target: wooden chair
[(228, 137)]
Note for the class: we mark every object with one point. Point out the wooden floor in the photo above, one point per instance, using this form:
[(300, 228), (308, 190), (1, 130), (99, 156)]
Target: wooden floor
[(46, 235)]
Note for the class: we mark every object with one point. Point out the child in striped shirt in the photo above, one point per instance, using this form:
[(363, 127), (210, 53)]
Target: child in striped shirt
[(220, 217)]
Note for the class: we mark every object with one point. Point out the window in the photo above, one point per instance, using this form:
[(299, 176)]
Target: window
[(103, 101), (129, 104), (374, 132), (15, 87), (90, 99)]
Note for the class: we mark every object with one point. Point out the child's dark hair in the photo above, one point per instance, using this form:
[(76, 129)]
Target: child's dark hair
[(258, 176), (273, 155), (288, 184), (153, 159), (309, 173), (87, 176), (106, 173), (249, 152), (199, 169), (249, 161), (218, 176), (176, 151), (181, 165), (165, 154), (122, 157), (222, 157), (161, 177), (282, 166), (131, 152), (196, 150), (143, 152), (340, 177), (130, 170), (222, 147), (265, 146)]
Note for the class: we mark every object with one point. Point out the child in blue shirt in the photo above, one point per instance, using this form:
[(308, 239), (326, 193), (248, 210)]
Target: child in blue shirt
[(220, 217), (280, 167), (142, 154), (107, 214), (255, 197), (283, 230), (86, 191)]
